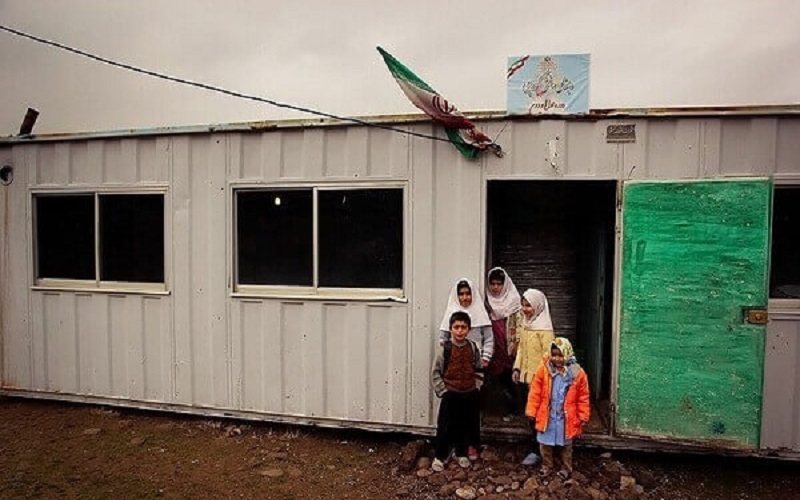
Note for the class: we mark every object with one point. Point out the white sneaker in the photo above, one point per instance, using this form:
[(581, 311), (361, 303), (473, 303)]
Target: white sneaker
[(464, 462), (437, 465), (531, 459)]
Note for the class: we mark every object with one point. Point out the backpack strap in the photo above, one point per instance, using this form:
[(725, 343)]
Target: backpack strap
[(447, 351)]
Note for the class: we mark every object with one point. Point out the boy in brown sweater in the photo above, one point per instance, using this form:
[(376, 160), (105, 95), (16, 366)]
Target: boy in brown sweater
[(457, 375)]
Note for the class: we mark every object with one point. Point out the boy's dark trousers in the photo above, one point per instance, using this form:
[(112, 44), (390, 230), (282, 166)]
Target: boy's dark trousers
[(458, 424)]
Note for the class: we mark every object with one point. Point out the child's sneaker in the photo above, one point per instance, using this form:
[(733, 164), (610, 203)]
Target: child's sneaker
[(531, 459), (437, 465), (472, 453), (463, 462)]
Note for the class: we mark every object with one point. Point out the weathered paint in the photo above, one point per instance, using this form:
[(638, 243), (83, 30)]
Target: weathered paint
[(200, 347), (780, 428), (694, 254)]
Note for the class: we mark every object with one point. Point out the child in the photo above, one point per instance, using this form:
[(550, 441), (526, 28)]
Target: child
[(534, 331), (465, 297), (559, 403), (502, 301), (457, 376)]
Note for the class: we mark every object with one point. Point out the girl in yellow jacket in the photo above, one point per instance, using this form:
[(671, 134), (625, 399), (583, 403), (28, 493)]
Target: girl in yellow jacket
[(533, 330)]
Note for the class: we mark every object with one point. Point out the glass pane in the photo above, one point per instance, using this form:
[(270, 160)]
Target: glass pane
[(361, 238), (275, 237), (132, 238), (65, 236), (784, 280)]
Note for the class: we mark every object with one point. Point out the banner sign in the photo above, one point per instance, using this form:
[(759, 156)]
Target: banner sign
[(553, 84)]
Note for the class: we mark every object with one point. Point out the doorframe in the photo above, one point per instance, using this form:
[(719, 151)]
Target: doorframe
[(617, 278)]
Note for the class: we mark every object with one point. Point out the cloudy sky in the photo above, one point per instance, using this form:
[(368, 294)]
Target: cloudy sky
[(321, 54)]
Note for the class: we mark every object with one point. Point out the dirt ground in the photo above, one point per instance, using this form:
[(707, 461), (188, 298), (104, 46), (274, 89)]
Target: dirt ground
[(57, 450)]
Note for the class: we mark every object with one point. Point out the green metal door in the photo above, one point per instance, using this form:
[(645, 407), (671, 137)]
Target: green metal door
[(694, 262)]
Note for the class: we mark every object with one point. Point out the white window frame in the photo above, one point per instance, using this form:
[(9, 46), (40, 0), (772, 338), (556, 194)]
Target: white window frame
[(315, 291), (97, 285), (792, 306)]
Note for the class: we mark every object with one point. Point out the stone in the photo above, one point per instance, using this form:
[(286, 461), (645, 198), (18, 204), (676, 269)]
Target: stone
[(515, 485), (554, 485), (500, 480), (92, 432), (626, 483), (577, 492), (639, 489), (294, 472), (436, 479), (232, 430), (489, 456), (466, 493), (411, 453), (401, 492), (271, 473), (595, 493), (137, 441), (605, 455), (424, 473), (460, 475), (629, 494), (530, 486), (647, 479), (278, 455), (423, 462), (448, 489), (481, 492)]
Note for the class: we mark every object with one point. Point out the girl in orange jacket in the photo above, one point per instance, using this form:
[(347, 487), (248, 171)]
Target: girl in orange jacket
[(559, 401)]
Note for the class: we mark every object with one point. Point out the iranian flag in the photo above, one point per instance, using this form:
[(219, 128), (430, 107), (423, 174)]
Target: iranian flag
[(460, 130)]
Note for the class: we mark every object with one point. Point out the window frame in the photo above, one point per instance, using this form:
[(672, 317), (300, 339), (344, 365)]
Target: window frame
[(315, 291), (778, 305), (97, 285)]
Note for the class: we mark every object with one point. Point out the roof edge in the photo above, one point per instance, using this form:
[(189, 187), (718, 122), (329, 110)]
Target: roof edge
[(414, 118)]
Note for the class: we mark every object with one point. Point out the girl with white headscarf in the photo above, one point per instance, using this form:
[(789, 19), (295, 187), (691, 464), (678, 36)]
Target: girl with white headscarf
[(534, 328), (465, 297), (502, 301)]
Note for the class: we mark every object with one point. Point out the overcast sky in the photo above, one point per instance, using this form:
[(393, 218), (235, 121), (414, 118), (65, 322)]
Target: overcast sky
[(321, 54)]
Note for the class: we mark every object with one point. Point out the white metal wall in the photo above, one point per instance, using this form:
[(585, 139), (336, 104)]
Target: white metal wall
[(363, 362), (780, 426)]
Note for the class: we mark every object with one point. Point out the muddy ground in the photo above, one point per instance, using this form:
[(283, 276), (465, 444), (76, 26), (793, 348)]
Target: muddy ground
[(57, 450)]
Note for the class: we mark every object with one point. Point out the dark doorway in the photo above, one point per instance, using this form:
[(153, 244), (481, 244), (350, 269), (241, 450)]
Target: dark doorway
[(558, 236)]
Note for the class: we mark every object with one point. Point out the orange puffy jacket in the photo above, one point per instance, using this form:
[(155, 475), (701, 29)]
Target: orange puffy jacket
[(576, 404)]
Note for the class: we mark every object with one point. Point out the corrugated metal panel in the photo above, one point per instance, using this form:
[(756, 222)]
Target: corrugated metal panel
[(552, 149), (780, 427), (690, 148), (200, 346)]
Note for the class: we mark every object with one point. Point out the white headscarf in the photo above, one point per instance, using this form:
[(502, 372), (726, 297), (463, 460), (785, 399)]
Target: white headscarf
[(476, 310), (541, 311), (508, 302)]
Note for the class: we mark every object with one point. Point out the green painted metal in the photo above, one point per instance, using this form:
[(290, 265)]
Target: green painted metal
[(694, 254)]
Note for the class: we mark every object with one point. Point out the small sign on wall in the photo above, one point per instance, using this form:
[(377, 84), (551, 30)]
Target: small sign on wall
[(550, 84)]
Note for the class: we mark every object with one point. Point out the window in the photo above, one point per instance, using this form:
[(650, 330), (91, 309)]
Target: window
[(320, 238), (100, 237), (784, 280)]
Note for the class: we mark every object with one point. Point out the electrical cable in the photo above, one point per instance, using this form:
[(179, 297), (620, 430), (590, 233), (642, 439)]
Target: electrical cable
[(213, 88)]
